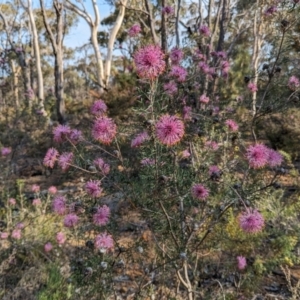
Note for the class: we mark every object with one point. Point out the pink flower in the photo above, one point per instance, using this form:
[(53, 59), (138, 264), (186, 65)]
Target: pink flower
[(104, 130), (241, 262), (48, 247), (5, 151), (257, 155), (187, 113), (170, 88), (225, 65), (4, 235), (59, 205), (52, 190), (204, 99), (270, 11), (199, 191), (16, 234), (169, 130), (102, 166), (168, 10), (139, 139), (251, 221), (204, 67), (35, 188), (176, 55), (214, 171), (36, 202), (70, 220), (61, 132), (65, 160), (98, 108), (252, 87), (148, 162), (75, 136), (293, 83), (134, 30), (212, 145), (60, 238), (20, 225), (232, 125), (93, 188), (12, 201), (101, 216), (222, 54), (149, 62), (179, 73), (185, 153), (275, 158), (204, 30), (50, 157), (104, 242)]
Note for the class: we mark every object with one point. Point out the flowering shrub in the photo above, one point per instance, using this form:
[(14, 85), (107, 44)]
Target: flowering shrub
[(200, 177)]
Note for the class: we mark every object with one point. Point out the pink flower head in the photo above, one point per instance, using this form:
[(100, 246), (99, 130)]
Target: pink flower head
[(139, 139), (185, 153), (225, 65), (75, 136), (61, 132), (204, 67), (36, 202), (275, 158), (147, 162), (4, 235), (60, 238), (293, 83), (241, 262), (16, 234), (170, 88), (52, 190), (104, 130), (257, 155), (65, 160), (232, 125), (169, 130), (178, 73), (222, 54), (251, 221), (149, 62), (214, 171), (20, 225), (176, 55), (252, 87), (5, 151), (102, 166), (101, 216), (134, 30), (35, 188), (270, 11), (212, 145), (204, 30), (204, 99), (50, 157), (59, 205), (187, 113), (104, 242), (48, 247), (199, 191), (12, 201), (168, 10), (98, 108), (93, 188), (70, 220)]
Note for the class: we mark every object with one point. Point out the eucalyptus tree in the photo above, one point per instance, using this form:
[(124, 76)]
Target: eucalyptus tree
[(103, 65)]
